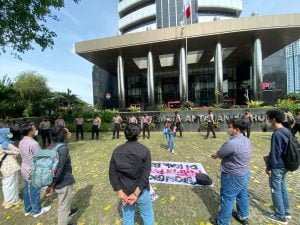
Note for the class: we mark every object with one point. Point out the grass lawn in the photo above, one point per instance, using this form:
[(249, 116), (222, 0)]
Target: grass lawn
[(177, 204)]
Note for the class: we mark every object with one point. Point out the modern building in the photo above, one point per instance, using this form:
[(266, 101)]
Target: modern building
[(206, 60), (292, 54), (143, 15)]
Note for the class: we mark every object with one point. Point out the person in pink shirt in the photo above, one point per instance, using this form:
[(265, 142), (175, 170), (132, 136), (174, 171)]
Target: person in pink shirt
[(31, 195)]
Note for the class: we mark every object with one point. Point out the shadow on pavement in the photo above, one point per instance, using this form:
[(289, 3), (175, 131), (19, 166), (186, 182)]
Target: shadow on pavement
[(81, 200), (210, 199)]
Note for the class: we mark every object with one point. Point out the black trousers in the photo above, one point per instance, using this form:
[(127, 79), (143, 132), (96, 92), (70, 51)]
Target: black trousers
[(247, 130), (117, 128), (79, 129), (210, 128), (95, 130), (179, 128), (46, 135), (146, 128)]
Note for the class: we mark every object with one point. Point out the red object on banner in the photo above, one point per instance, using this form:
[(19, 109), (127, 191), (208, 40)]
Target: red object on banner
[(187, 8)]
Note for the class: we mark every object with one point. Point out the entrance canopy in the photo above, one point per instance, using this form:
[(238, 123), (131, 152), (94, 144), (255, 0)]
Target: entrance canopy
[(235, 35)]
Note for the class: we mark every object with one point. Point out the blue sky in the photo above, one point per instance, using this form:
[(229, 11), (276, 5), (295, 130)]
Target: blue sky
[(92, 19)]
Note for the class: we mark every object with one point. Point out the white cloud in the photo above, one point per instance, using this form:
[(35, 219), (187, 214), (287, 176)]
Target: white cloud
[(71, 17)]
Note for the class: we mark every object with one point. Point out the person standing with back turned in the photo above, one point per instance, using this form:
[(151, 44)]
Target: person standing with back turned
[(129, 172), (276, 169), (63, 179)]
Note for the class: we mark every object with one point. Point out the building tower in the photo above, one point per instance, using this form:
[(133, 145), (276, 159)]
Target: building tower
[(143, 15), (292, 54)]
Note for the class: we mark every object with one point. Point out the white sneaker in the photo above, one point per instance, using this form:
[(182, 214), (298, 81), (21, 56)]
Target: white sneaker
[(43, 211), (28, 214)]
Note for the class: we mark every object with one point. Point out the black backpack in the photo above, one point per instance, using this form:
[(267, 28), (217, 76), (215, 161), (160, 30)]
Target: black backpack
[(291, 158), (203, 179)]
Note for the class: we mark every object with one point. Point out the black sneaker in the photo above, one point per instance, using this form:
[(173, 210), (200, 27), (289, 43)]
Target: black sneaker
[(273, 217), (73, 212), (236, 216), (213, 221)]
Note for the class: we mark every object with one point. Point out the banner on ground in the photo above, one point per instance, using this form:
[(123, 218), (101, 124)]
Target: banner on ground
[(175, 172)]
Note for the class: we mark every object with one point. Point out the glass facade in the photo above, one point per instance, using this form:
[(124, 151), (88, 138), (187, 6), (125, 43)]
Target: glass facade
[(292, 54), (280, 70), (170, 13), (274, 78)]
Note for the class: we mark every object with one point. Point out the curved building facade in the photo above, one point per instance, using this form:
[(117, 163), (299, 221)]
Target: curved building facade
[(143, 15)]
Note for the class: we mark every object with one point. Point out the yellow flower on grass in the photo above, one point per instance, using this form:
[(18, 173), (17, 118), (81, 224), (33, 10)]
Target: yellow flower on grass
[(290, 189), (154, 188), (267, 204), (106, 208), (201, 223), (7, 217), (118, 222), (298, 206), (172, 198), (39, 223)]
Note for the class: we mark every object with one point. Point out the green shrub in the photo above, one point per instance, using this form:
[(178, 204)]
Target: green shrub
[(255, 104), (161, 107), (106, 127), (107, 115), (289, 104)]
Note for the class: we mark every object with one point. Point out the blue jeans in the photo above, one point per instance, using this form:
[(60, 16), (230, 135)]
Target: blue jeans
[(279, 192), (170, 139), (233, 188), (144, 205), (31, 197)]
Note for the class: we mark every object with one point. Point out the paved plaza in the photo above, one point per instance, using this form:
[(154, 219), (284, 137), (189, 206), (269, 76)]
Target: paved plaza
[(177, 204)]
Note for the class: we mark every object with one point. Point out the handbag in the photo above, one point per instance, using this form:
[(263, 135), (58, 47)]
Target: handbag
[(3, 158)]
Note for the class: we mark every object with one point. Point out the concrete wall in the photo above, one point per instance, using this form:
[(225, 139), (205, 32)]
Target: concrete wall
[(193, 120)]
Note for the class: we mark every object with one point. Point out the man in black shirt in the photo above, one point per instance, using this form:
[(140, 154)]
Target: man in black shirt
[(129, 171)]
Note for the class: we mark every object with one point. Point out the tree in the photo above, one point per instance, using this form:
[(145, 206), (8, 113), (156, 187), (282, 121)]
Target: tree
[(10, 101), (245, 86), (24, 22), (33, 89)]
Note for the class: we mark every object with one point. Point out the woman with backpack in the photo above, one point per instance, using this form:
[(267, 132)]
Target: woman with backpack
[(63, 179)]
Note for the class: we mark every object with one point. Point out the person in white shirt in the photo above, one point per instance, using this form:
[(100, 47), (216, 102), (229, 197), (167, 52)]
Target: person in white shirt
[(96, 123), (145, 124), (210, 124), (117, 119)]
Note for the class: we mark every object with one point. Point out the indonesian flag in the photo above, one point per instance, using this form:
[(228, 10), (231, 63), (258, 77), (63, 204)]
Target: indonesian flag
[(187, 8)]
